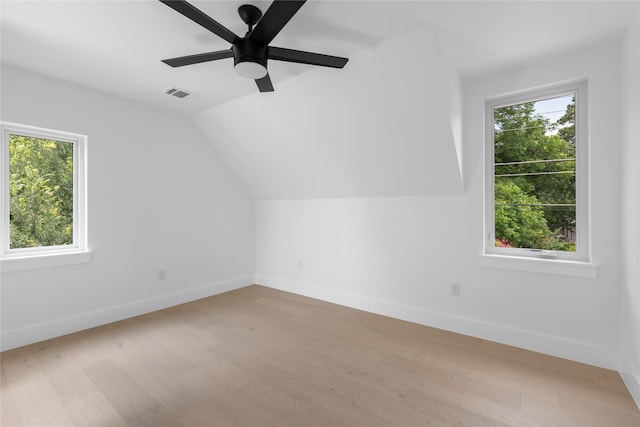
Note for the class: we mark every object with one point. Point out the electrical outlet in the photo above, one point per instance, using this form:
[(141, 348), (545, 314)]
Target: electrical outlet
[(455, 289), (162, 274)]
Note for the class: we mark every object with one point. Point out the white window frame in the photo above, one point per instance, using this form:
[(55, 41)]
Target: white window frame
[(583, 245), (38, 257)]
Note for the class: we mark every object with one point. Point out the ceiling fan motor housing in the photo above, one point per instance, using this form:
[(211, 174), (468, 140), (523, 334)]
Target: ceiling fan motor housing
[(248, 50)]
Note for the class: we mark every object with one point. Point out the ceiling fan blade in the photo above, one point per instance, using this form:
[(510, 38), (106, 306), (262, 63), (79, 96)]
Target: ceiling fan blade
[(199, 17), (291, 55), (198, 58), (274, 19), (264, 84)]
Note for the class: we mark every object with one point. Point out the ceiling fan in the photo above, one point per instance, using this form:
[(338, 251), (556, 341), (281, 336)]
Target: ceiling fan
[(251, 52)]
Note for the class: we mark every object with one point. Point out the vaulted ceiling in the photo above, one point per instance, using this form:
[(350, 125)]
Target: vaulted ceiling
[(388, 124)]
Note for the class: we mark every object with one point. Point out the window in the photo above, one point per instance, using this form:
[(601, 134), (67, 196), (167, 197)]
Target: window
[(43, 186), (536, 165)]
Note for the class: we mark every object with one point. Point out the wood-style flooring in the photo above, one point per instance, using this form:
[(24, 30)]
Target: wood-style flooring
[(261, 357)]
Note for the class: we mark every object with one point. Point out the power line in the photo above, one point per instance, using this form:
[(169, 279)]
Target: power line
[(534, 161), (533, 173), (551, 205)]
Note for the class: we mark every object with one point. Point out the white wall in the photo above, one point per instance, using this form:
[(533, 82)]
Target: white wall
[(159, 197), (630, 290), (397, 256)]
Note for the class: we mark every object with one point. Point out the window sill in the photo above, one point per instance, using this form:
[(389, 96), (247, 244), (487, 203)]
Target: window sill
[(32, 262), (544, 266)]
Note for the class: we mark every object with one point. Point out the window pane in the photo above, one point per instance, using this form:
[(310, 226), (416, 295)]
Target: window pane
[(40, 192), (535, 174)]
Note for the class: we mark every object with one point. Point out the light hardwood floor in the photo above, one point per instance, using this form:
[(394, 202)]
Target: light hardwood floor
[(261, 357)]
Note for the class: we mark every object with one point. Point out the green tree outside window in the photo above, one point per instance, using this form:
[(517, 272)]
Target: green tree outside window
[(40, 192), (534, 178)]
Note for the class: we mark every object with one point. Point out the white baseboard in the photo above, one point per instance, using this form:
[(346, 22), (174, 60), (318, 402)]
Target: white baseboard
[(66, 325), (631, 378), (604, 357)]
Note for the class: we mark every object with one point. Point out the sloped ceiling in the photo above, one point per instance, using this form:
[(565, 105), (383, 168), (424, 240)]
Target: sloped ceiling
[(389, 127)]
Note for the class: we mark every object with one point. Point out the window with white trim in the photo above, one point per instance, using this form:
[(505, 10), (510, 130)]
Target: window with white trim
[(43, 184), (536, 185)]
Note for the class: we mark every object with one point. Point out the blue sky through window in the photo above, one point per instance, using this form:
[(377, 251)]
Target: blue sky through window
[(553, 109)]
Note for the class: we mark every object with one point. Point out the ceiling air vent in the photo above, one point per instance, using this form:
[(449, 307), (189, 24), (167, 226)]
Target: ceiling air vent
[(178, 93)]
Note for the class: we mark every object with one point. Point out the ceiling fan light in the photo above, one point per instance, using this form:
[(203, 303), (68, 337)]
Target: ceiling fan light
[(251, 70)]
